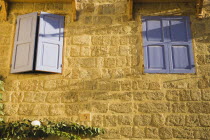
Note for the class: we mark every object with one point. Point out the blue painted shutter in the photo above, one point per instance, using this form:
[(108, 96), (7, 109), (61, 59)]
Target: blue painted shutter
[(180, 46), (24, 45), (155, 49), (50, 43), (167, 45)]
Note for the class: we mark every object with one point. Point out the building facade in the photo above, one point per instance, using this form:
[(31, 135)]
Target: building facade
[(104, 80)]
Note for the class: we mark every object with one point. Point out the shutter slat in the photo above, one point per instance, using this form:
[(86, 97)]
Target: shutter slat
[(24, 45), (50, 43)]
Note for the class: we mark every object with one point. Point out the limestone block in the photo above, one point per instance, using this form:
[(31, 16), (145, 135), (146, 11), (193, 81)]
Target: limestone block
[(56, 109), (111, 121), (97, 120), (155, 95), (158, 120), (81, 40), (179, 108), (99, 107), (183, 133), (126, 132), (192, 121), (25, 109), (11, 109), (142, 120), (72, 109), (102, 20), (31, 97), (138, 132), (151, 132), (175, 120), (121, 107), (112, 133), (40, 110), (53, 97), (50, 85), (172, 95), (205, 120), (165, 133), (199, 107), (125, 120), (69, 97), (154, 107)]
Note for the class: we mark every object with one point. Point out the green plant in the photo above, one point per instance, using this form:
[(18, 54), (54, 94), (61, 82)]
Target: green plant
[(1, 105), (26, 129)]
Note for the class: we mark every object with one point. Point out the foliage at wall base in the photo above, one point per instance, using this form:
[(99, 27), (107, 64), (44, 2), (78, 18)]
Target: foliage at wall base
[(26, 129)]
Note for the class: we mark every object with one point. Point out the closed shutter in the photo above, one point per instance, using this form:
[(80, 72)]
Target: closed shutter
[(50, 43), (24, 45), (180, 46), (155, 49), (167, 45)]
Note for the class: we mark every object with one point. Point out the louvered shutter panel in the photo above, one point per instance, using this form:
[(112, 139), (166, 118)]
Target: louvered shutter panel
[(24, 45), (50, 43), (180, 46), (155, 49)]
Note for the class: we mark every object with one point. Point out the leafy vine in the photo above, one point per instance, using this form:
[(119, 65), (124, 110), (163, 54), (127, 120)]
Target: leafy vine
[(36, 129)]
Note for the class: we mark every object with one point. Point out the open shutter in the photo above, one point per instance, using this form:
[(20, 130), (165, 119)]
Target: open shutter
[(24, 45), (180, 46), (50, 43), (155, 49)]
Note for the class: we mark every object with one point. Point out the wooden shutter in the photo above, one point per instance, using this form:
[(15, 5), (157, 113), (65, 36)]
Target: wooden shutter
[(167, 45), (24, 44), (155, 49), (180, 46), (50, 43)]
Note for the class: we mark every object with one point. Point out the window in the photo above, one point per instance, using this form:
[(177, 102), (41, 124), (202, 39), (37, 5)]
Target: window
[(167, 45), (38, 43)]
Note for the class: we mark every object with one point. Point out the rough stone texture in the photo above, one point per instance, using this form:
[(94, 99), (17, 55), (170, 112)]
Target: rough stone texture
[(103, 74)]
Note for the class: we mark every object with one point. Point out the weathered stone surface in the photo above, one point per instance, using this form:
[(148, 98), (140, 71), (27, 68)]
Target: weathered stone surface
[(81, 40), (192, 120), (126, 132), (172, 95), (175, 120), (179, 108), (165, 133), (205, 120), (112, 133), (103, 74), (157, 95), (151, 133), (183, 133), (199, 107), (154, 107), (57, 109), (125, 120), (138, 132), (69, 97), (100, 107), (142, 120), (97, 120), (121, 108), (158, 120), (11, 109)]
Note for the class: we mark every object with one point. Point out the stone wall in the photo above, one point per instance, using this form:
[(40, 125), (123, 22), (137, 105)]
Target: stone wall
[(103, 74)]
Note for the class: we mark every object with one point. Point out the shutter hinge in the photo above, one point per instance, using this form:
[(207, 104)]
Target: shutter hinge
[(61, 65), (10, 65), (143, 65)]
